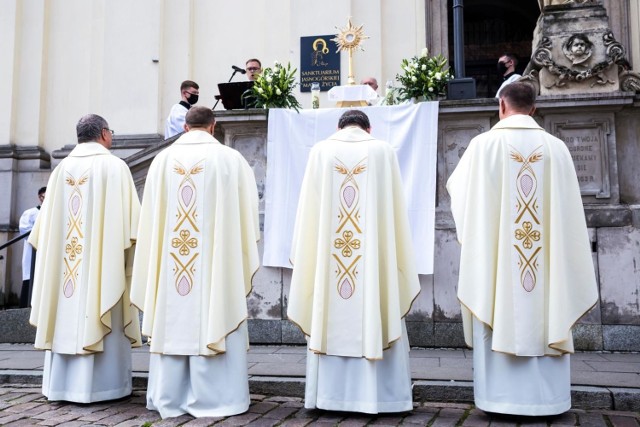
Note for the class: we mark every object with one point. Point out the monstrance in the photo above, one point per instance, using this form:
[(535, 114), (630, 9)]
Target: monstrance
[(350, 38)]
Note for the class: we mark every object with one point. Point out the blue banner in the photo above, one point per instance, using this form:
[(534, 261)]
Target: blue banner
[(319, 62)]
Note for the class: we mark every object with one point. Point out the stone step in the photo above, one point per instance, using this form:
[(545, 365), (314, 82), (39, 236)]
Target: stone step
[(582, 397)]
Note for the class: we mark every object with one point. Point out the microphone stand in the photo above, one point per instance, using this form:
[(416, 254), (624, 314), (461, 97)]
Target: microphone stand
[(229, 81)]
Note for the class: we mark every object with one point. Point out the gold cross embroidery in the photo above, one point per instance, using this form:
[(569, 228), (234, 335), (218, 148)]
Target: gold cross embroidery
[(347, 244), (184, 242), (527, 235), (73, 248)]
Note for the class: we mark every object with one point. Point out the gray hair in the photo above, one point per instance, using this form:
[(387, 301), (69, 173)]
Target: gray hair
[(89, 128)]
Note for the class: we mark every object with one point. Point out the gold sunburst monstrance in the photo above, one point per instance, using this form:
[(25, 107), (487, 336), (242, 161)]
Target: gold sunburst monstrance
[(350, 38)]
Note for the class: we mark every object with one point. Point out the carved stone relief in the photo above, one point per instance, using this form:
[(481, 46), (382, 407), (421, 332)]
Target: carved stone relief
[(545, 3), (574, 51)]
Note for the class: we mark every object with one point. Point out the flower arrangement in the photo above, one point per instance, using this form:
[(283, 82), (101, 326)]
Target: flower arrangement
[(273, 88), (423, 76)]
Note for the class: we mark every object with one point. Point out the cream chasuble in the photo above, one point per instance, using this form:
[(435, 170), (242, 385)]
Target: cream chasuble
[(196, 251), (354, 275), (526, 268), (86, 223)]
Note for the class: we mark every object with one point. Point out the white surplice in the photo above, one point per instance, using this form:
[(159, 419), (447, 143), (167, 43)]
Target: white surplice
[(27, 220), (175, 120)]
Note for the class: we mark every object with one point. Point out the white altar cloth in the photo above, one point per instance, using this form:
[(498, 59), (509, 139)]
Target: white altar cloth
[(411, 130)]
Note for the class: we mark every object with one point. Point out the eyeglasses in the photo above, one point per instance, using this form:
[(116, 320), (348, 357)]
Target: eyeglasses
[(253, 69), (109, 130), (191, 93)]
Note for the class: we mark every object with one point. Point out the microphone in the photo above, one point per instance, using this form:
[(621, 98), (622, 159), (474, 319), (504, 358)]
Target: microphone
[(239, 70)]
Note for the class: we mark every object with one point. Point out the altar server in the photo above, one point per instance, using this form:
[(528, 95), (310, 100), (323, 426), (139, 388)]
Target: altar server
[(195, 258), (526, 269), (189, 93)]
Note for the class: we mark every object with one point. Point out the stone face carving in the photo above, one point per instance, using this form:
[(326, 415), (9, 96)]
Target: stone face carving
[(574, 51), (577, 48)]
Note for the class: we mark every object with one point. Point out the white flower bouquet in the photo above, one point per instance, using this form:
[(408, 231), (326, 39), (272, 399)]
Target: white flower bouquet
[(273, 88), (423, 76)]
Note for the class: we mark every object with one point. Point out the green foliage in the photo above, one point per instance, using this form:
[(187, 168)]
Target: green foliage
[(273, 88), (423, 75)]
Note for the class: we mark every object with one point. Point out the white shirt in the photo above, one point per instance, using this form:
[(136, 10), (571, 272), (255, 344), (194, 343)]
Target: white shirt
[(27, 220), (175, 122), (512, 78)]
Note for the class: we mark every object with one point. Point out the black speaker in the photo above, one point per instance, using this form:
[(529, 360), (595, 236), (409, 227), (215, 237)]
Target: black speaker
[(461, 88)]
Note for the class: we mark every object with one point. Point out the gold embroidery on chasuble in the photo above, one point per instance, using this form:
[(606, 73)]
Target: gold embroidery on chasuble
[(185, 237), (527, 222), (74, 237), (348, 234)]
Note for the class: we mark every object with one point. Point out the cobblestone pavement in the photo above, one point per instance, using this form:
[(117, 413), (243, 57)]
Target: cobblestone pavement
[(23, 405)]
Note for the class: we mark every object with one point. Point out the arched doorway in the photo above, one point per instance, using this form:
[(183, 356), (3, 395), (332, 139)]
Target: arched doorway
[(491, 28)]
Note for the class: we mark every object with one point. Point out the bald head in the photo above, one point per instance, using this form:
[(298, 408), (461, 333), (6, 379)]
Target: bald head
[(371, 81)]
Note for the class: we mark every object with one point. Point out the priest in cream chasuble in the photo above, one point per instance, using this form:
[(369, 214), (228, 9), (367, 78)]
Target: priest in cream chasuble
[(354, 275), (195, 259), (80, 303), (526, 268)]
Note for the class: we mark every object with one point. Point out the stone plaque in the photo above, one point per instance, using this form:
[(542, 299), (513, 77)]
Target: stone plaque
[(454, 135), (587, 143)]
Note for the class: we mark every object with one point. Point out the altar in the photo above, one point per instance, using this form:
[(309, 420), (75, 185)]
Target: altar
[(411, 129)]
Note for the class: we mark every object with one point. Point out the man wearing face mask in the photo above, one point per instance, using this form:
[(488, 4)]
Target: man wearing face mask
[(175, 122), (507, 70)]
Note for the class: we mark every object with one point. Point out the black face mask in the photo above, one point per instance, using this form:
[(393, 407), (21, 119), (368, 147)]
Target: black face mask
[(502, 68), (192, 99)]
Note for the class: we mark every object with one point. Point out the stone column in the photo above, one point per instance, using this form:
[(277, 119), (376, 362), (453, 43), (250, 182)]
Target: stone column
[(437, 27), (634, 34)]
